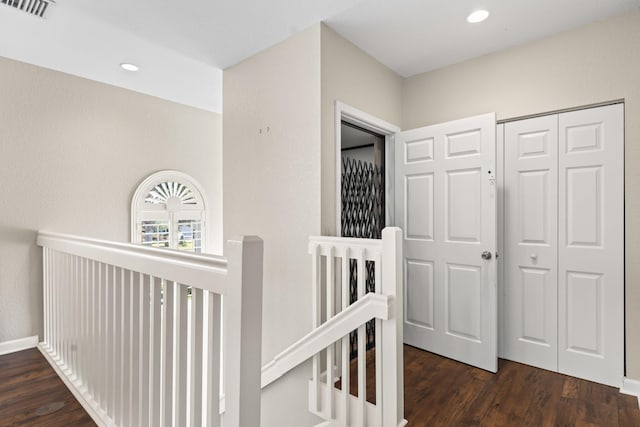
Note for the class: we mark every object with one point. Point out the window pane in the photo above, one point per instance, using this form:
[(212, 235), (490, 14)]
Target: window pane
[(155, 233), (190, 235)]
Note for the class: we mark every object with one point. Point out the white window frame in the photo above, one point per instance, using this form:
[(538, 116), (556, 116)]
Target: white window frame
[(142, 211)]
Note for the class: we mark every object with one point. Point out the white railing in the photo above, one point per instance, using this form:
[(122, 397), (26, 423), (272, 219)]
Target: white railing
[(135, 332), (371, 306), (334, 318)]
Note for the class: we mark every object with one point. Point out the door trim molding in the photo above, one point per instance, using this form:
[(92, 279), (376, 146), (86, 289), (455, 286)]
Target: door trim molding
[(366, 121)]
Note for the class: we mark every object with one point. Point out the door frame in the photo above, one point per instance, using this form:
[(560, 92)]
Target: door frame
[(349, 114)]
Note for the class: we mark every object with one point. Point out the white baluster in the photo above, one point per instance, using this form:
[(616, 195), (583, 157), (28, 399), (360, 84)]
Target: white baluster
[(125, 358), (64, 292), (362, 347), (182, 358), (346, 343), (378, 343), (72, 287), (158, 336), (213, 346), (135, 316), (45, 294), (112, 347), (93, 328), (316, 305), (59, 305), (195, 410), (330, 284), (170, 293), (103, 305), (84, 321), (78, 319), (118, 347), (146, 360)]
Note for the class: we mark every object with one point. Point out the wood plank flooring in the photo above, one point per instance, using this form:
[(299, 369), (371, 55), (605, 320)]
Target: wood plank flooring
[(27, 383), (441, 392), (438, 392)]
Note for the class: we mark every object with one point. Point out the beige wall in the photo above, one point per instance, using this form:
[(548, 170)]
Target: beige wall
[(72, 151), (595, 63), (272, 189), (350, 76)]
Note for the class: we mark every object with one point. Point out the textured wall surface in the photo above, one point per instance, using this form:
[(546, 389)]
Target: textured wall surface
[(271, 150), (72, 152), (354, 78)]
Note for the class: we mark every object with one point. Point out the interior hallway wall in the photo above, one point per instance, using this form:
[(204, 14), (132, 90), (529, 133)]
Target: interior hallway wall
[(72, 152), (595, 63), (351, 76), (271, 150)]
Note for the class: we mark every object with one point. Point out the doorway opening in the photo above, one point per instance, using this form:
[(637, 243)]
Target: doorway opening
[(359, 121), (364, 191), (362, 212), (363, 182)]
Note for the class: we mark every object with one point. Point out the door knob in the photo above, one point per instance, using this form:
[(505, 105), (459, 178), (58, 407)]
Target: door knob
[(486, 255), (533, 256)]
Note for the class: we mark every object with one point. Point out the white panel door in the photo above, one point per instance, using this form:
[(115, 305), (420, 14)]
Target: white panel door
[(446, 205), (591, 239), (530, 256)]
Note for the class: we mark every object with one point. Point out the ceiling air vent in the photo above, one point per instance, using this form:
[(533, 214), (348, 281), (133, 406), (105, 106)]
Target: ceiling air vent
[(32, 7)]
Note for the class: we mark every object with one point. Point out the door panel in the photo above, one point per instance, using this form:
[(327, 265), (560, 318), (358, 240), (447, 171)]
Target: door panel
[(464, 304), (446, 205), (591, 249), (462, 206), (419, 206), (530, 259), (534, 309), (419, 285)]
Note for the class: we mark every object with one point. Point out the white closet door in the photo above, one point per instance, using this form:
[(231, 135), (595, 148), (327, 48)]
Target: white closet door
[(591, 237), (446, 205), (531, 257)]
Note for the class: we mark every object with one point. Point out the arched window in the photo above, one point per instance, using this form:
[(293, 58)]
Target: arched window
[(168, 211)]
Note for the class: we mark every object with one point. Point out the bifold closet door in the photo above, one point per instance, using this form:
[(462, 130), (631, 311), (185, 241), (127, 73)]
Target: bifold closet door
[(531, 244), (591, 244), (563, 290)]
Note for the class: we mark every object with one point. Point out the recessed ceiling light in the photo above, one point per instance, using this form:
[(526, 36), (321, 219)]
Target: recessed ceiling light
[(477, 16), (129, 67)]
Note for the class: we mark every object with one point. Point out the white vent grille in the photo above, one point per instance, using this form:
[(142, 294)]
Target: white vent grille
[(33, 7)]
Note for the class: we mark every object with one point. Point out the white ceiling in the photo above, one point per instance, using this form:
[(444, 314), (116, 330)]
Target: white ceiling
[(414, 36), (183, 46)]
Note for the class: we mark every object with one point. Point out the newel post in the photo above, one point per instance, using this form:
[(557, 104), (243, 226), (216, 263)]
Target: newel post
[(242, 333), (392, 335)]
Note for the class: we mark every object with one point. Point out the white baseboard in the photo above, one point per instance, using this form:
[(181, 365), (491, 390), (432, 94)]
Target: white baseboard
[(631, 387), (18, 345)]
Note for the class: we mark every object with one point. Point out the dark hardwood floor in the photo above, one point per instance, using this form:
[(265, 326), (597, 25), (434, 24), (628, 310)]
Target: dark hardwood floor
[(438, 392), (442, 392), (28, 383)]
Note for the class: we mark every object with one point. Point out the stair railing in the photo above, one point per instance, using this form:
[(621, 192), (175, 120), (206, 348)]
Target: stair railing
[(136, 332), (335, 316), (332, 255)]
